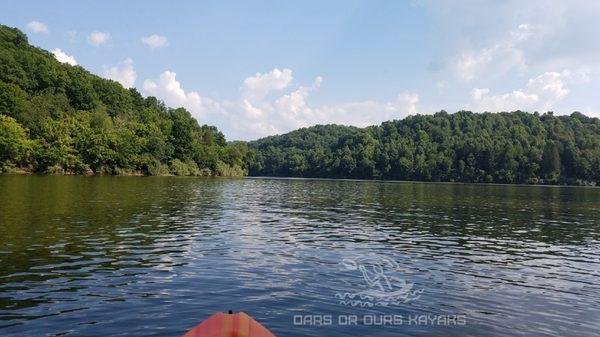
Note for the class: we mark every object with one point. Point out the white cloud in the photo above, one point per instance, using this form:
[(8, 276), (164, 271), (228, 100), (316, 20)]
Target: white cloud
[(155, 41), (255, 113), (260, 116), (516, 100), (98, 38), (260, 85), (497, 58), (407, 102), (549, 86), (541, 93), (317, 82), (293, 110), (37, 27), (123, 73), (499, 45), (365, 113), (487, 38), (63, 57), (172, 93)]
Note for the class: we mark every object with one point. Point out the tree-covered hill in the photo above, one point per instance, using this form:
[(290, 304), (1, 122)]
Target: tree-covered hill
[(59, 118), (516, 147)]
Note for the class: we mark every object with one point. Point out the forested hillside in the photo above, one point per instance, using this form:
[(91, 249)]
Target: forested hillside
[(59, 118), (515, 147)]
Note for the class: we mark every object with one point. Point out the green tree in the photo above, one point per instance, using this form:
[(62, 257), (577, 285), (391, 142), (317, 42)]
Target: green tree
[(14, 143), (551, 164)]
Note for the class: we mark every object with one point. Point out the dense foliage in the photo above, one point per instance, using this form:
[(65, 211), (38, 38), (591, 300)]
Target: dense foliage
[(61, 119), (515, 147)]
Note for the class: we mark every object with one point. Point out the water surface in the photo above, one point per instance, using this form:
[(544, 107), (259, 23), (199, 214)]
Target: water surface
[(132, 256)]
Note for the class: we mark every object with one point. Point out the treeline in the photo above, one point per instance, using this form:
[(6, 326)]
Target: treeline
[(58, 118), (516, 147)]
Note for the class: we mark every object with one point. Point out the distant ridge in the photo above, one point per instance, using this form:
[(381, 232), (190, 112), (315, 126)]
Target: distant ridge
[(508, 147)]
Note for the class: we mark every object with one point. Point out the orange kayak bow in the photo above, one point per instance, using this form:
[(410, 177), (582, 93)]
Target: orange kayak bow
[(229, 325)]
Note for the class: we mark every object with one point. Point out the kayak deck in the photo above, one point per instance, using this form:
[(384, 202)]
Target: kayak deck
[(229, 325)]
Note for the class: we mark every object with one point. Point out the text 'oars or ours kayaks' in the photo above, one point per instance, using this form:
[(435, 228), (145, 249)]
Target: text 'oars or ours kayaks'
[(229, 325)]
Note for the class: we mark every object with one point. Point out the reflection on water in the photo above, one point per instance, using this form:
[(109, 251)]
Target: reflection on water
[(154, 256)]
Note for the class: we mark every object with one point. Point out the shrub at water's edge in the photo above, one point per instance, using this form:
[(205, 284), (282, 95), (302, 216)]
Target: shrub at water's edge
[(58, 118)]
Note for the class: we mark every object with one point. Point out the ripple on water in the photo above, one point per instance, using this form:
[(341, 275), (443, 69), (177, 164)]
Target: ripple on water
[(135, 256)]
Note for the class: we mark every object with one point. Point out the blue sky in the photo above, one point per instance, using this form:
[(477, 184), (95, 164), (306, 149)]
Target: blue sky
[(258, 68)]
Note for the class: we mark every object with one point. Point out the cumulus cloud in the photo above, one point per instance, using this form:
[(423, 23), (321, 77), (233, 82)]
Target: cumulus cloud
[(515, 100), (540, 94), (488, 50), (488, 37), (497, 58), (548, 86), (63, 57), (292, 109), (260, 85), (407, 103), (37, 27), (167, 88), (123, 73), (155, 41), (98, 38), (269, 104)]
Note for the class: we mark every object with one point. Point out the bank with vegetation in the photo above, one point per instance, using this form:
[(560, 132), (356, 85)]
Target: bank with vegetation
[(58, 118)]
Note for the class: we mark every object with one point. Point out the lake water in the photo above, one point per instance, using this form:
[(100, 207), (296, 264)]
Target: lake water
[(133, 256)]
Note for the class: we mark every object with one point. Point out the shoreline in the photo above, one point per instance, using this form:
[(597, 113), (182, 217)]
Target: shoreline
[(24, 172), (415, 181)]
